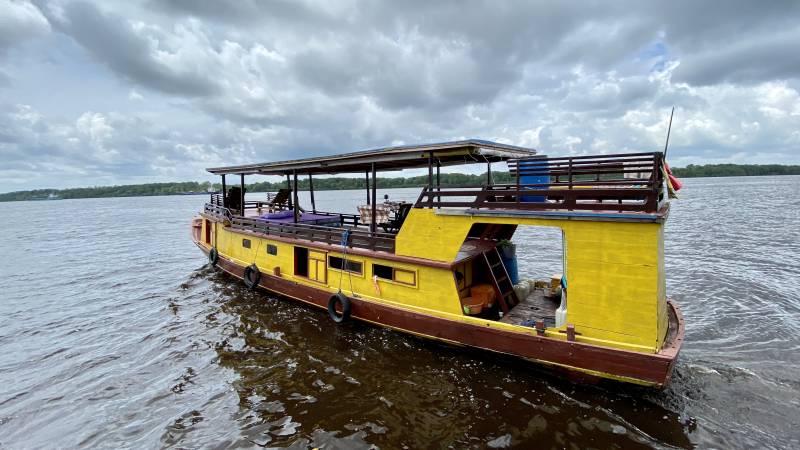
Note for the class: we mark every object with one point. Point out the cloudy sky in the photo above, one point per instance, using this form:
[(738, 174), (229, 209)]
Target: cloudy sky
[(95, 93)]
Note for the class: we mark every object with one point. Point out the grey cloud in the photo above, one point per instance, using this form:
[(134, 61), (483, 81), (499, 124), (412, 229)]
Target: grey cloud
[(20, 21), (113, 41), (763, 58)]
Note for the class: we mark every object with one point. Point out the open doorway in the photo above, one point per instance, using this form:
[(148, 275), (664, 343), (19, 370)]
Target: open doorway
[(514, 274)]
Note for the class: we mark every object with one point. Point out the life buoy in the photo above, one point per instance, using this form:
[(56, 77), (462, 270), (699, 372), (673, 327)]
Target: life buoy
[(213, 257), (251, 276), (345, 302)]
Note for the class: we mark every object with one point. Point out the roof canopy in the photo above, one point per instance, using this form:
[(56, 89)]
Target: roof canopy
[(388, 158)]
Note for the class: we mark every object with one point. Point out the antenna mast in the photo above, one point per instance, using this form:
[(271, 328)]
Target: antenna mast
[(669, 129)]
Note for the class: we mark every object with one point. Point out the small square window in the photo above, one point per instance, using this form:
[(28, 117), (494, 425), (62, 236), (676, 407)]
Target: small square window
[(272, 249), (246, 243)]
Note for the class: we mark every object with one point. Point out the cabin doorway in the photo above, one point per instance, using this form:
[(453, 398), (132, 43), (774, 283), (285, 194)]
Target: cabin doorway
[(513, 274), (311, 264)]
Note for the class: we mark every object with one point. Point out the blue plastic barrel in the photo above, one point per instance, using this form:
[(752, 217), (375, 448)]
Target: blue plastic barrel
[(511, 267), (540, 175)]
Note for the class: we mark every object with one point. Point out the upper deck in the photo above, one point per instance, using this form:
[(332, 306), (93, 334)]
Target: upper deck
[(622, 187)]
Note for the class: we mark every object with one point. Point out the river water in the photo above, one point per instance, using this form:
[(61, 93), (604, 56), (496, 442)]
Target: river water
[(115, 334)]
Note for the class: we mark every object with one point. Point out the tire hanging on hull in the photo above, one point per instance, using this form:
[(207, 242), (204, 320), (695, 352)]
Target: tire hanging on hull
[(345, 302), (251, 276), (213, 257)]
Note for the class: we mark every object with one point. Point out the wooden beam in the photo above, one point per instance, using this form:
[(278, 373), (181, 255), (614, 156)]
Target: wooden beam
[(438, 181), (430, 179), (373, 226), (289, 186), (224, 192), (242, 195), (367, 177), (294, 194), (311, 191)]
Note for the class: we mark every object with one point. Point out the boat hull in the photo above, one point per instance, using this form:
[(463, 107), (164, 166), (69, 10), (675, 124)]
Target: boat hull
[(604, 362)]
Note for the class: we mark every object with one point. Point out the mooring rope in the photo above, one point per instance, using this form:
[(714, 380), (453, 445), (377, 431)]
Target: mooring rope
[(345, 238)]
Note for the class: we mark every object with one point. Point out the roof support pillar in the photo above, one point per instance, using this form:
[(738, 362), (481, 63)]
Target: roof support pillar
[(289, 186), (367, 178), (438, 181), (430, 179), (489, 173), (242, 194), (224, 192), (373, 226), (311, 191), (294, 195)]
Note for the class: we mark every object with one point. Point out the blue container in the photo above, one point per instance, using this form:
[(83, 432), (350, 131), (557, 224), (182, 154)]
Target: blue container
[(541, 176), (511, 267)]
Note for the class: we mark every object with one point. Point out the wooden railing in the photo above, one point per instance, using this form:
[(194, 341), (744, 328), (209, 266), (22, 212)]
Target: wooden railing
[(316, 233), (627, 182)]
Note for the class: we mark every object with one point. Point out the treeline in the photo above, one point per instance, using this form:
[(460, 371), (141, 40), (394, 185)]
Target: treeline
[(193, 187), (734, 170), (130, 190), (327, 184)]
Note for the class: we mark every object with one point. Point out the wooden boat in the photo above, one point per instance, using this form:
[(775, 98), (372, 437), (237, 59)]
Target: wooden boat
[(434, 268)]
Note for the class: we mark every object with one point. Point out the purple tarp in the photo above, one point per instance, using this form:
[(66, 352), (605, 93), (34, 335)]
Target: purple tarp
[(305, 217)]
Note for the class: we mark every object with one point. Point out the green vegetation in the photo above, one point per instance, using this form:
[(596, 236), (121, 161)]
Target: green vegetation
[(325, 184), (734, 170), (131, 190)]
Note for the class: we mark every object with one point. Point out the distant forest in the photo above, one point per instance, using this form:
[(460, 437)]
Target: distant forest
[(323, 184)]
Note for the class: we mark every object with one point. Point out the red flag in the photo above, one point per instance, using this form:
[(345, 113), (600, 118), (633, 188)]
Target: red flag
[(676, 183)]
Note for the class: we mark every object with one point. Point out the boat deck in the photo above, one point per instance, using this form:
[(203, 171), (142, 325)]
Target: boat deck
[(537, 306)]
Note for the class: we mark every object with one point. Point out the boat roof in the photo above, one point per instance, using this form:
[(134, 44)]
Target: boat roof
[(387, 158)]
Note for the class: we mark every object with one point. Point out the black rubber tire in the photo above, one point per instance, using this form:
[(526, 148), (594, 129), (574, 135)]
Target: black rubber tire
[(251, 276), (339, 298), (213, 257)]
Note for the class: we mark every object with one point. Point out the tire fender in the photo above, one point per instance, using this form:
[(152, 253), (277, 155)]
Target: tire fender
[(213, 257), (251, 276), (345, 302)]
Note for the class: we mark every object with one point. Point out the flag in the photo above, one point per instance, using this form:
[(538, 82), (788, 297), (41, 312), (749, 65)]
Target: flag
[(673, 183)]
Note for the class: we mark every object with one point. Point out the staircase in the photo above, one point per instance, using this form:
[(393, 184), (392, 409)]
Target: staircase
[(502, 283)]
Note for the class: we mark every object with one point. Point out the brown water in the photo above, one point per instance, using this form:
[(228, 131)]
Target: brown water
[(114, 334)]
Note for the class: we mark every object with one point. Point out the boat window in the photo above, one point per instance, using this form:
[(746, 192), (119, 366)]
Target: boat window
[(272, 249), (394, 274), (381, 271), (334, 262), (246, 243), (301, 261)]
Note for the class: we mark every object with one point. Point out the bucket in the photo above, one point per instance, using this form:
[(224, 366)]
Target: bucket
[(471, 305), (484, 293)]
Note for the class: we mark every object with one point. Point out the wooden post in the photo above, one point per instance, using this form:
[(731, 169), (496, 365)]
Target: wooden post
[(294, 194), (438, 181), (289, 186), (242, 193), (570, 332), (311, 191), (367, 177), (540, 327), (373, 226), (224, 192), (488, 174), (430, 179)]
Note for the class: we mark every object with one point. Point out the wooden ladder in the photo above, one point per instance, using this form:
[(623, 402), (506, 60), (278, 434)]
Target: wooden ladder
[(500, 279)]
